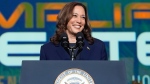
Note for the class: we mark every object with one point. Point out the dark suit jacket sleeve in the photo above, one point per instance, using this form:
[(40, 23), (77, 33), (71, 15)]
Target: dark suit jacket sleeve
[(42, 53)]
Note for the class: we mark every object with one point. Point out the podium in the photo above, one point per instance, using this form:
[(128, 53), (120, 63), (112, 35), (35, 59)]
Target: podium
[(73, 72)]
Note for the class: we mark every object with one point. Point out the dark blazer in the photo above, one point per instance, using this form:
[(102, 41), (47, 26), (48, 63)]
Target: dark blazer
[(96, 51)]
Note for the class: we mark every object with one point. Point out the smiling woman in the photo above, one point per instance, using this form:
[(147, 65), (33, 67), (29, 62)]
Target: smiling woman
[(72, 22), (73, 14), (76, 23)]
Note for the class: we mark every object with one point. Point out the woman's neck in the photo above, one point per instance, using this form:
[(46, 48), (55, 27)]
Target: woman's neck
[(71, 38)]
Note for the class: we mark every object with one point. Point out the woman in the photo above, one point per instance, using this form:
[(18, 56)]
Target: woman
[(73, 18)]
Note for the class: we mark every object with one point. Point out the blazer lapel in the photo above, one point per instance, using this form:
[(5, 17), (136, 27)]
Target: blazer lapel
[(62, 53), (86, 52)]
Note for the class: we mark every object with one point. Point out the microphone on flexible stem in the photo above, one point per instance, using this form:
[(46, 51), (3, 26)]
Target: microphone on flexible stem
[(64, 42), (79, 42)]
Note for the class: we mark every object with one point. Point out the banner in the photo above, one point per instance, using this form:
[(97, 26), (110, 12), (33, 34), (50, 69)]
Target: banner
[(124, 26)]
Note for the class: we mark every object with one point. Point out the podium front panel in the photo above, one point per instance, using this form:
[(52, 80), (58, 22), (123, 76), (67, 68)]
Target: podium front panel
[(46, 72)]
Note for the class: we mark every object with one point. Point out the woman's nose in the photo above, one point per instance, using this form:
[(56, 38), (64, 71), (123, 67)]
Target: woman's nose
[(78, 19)]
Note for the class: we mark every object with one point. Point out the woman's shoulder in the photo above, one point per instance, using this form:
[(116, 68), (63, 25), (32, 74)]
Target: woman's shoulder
[(49, 44), (98, 45), (98, 41)]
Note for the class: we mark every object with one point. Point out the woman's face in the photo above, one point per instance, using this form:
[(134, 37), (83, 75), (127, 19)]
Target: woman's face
[(77, 22)]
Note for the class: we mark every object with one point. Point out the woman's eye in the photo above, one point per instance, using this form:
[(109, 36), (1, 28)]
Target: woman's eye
[(83, 17), (75, 15)]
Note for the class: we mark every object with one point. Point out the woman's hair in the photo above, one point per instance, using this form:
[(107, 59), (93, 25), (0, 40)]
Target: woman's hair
[(64, 17)]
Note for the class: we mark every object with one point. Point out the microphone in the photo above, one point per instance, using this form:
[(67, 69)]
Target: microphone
[(79, 44), (64, 40), (79, 40)]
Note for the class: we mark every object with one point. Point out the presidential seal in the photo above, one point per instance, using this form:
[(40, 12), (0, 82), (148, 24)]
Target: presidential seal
[(74, 76)]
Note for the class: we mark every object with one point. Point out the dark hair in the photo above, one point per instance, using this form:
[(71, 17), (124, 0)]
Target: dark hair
[(64, 17)]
